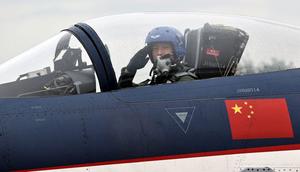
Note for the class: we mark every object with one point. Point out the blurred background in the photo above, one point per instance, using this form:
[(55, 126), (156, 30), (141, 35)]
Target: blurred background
[(25, 24)]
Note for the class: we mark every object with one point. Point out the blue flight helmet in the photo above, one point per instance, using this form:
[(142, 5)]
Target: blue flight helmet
[(170, 35)]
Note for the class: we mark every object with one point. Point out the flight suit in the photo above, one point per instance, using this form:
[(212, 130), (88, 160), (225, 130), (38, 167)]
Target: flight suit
[(178, 74)]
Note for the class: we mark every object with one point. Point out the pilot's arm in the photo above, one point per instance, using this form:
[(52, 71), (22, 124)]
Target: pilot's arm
[(138, 61)]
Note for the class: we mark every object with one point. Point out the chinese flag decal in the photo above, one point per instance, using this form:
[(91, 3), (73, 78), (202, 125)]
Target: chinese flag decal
[(259, 118)]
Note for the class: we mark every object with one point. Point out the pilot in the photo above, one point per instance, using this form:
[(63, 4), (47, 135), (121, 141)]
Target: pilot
[(165, 49)]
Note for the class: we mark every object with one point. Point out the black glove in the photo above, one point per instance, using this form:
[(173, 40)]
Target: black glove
[(139, 60), (126, 78)]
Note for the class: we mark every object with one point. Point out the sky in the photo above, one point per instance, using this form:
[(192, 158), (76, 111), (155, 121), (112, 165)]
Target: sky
[(25, 24)]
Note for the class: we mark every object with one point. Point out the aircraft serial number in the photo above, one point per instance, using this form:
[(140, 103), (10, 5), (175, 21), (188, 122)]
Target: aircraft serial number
[(248, 90)]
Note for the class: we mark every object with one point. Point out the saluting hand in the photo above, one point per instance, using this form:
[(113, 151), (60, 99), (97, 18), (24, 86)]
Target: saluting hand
[(139, 60)]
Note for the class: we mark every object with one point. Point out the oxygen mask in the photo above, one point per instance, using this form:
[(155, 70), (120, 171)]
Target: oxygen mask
[(163, 64)]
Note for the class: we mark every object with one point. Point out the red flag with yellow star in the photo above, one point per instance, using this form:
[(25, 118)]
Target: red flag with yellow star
[(259, 118)]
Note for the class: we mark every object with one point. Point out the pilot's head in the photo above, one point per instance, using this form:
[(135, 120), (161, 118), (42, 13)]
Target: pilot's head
[(166, 46)]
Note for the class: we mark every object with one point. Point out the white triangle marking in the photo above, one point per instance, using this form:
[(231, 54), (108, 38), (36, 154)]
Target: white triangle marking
[(182, 116)]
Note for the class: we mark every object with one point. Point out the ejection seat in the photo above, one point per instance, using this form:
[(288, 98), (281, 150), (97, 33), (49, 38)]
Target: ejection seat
[(214, 50)]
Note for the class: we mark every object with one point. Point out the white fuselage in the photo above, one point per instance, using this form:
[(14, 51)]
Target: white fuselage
[(279, 161)]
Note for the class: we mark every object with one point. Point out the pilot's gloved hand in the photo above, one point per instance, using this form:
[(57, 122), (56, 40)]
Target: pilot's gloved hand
[(139, 60)]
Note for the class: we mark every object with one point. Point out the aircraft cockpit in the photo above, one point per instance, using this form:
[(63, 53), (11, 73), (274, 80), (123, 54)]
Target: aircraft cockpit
[(59, 66), (88, 57)]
